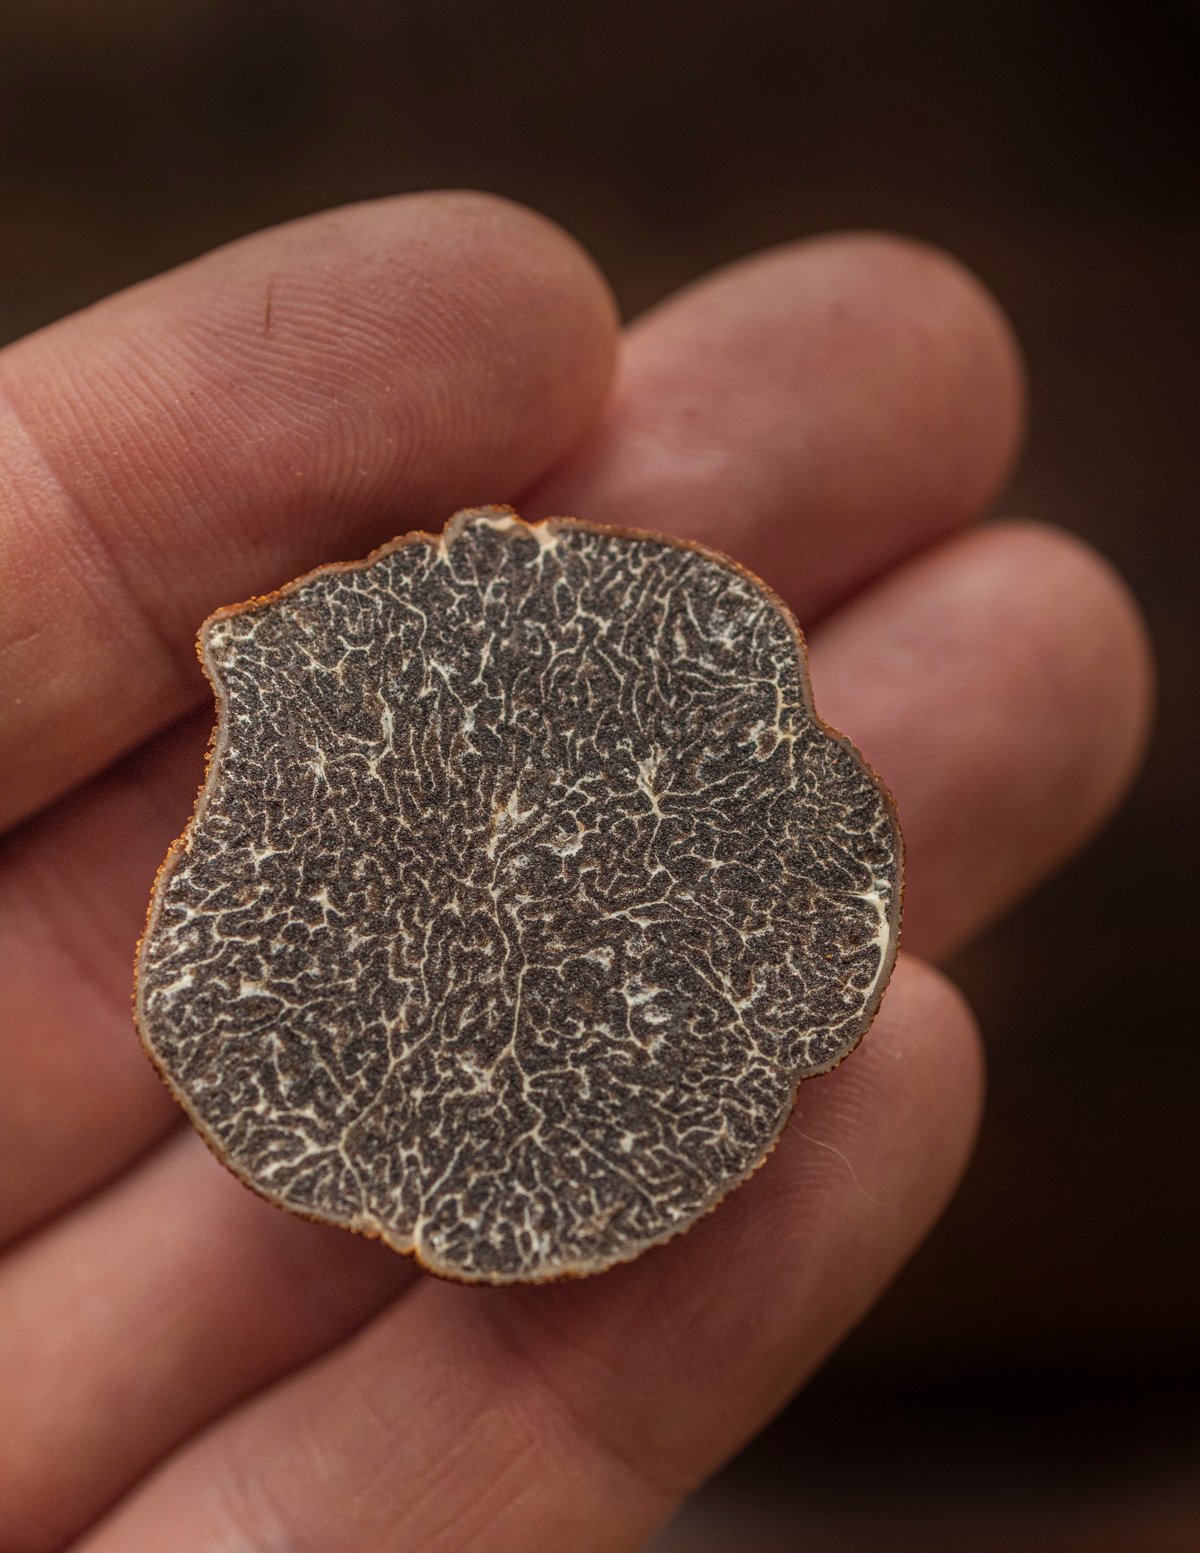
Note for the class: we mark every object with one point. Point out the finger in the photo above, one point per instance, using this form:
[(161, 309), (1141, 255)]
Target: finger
[(143, 1315), (1001, 685), (819, 411), (303, 394), (78, 1099), (575, 1416)]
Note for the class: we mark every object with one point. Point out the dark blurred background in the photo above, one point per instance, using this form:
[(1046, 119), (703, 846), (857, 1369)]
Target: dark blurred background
[(1031, 1380)]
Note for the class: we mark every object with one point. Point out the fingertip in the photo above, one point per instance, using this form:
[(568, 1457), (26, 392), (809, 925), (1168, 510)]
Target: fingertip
[(904, 1110), (1104, 668), (1073, 667), (961, 349), (929, 1031), (454, 341), (551, 256), (820, 410), (933, 282), (1002, 684), (518, 272)]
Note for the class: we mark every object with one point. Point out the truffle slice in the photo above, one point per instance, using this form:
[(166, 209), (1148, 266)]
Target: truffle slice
[(524, 887)]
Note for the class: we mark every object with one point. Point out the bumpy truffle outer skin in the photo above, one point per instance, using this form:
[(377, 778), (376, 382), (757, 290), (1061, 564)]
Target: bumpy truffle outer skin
[(524, 888)]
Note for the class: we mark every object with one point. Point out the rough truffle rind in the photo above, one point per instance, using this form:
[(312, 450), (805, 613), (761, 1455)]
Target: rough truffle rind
[(524, 888)]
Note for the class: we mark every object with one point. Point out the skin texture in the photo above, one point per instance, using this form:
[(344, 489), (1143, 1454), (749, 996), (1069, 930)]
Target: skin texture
[(229, 1377)]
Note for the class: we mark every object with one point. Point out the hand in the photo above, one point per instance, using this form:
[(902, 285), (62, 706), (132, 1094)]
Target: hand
[(225, 1376)]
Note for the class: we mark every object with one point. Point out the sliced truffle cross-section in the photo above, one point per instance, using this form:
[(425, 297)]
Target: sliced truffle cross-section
[(524, 888)]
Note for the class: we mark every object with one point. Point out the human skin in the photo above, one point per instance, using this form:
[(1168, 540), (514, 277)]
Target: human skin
[(183, 1366)]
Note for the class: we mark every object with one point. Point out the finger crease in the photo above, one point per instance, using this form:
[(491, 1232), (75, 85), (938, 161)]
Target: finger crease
[(586, 1429), (67, 944), (177, 663)]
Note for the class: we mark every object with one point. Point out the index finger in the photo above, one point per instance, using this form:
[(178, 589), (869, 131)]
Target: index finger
[(309, 391)]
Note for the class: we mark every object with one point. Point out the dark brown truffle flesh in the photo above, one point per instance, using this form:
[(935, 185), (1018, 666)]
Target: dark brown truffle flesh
[(524, 888)]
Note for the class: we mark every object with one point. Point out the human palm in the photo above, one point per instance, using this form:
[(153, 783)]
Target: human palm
[(181, 1365)]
